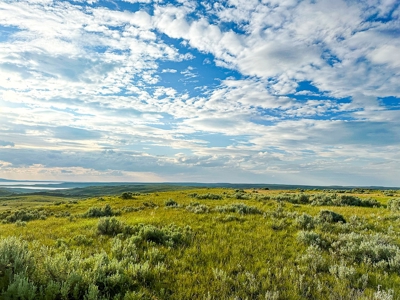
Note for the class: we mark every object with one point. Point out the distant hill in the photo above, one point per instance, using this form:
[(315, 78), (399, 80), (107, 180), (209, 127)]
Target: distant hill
[(5, 192), (88, 189), (93, 191)]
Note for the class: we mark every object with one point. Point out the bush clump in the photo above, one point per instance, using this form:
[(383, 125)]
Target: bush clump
[(394, 204), (197, 208), (127, 195), (242, 196), (376, 250), (129, 209), (327, 216), (171, 203), (98, 212), (170, 235), (23, 215), (110, 226), (343, 200), (82, 239), (150, 204), (238, 208), (71, 275), (314, 260), (389, 193), (305, 221), (293, 198), (263, 197), (63, 214), (208, 196), (15, 260), (311, 238)]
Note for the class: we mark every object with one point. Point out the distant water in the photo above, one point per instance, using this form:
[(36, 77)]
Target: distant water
[(24, 183), (53, 185), (31, 185)]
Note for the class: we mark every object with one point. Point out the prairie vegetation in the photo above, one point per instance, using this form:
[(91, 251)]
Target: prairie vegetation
[(203, 244)]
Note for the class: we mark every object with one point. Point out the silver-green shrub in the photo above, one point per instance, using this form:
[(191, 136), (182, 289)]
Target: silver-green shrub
[(394, 204), (20, 288), (377, 250), (311, 238), (383, 295), (98, 212), (342, 200), (110, 226), (314, 260), (171, 203), (330, 217), (170, 235), (343, 272), (305, 221), (293, 198), (238, 208), (15, 259), (23, 215), (197, 208), (82, 239), (207, 196), (125, 250)]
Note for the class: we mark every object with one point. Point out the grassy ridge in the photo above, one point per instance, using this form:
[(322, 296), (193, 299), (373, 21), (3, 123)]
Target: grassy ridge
[(92, 191), (203, 244)]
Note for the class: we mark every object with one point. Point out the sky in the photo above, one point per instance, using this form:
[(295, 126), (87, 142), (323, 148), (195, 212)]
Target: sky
[(241, 91)]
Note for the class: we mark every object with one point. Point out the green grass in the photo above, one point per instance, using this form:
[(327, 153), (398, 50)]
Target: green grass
[(25, 201), (235, 247)]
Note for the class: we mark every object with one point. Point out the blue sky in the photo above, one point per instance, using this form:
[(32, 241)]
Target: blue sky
[(296, 92)]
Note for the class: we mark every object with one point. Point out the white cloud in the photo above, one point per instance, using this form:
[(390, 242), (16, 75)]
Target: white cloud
[(80, 79), (41, 172), (387, 54), (6, 144), (169, 71)]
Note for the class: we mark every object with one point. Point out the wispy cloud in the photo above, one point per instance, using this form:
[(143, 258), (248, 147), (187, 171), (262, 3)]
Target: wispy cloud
[(6, 144)]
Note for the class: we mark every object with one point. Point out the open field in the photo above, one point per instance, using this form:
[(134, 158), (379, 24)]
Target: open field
[(217, 243)]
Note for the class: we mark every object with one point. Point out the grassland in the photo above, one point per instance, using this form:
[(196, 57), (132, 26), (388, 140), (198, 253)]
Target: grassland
[(203, 243)]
